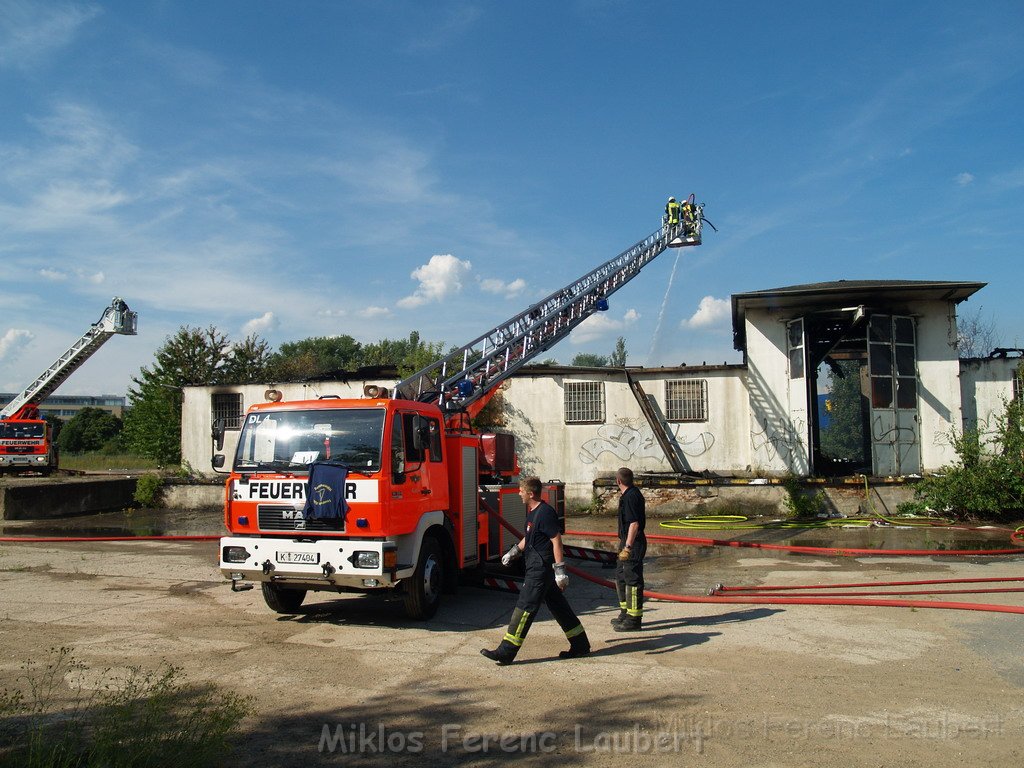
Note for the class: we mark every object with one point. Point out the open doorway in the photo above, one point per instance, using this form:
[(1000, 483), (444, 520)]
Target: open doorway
[(861, 392)]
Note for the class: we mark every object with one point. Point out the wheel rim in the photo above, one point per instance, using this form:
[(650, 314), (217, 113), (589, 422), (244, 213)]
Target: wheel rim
[(431, 579)]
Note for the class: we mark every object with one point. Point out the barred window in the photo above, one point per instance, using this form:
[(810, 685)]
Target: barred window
[(686, 400), (584, 402), (227, 406)]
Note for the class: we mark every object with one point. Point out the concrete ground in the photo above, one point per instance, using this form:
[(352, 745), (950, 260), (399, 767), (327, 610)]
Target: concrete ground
[(713, 685)]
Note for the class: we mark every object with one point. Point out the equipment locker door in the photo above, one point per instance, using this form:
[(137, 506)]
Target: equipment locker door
[(892, 366)]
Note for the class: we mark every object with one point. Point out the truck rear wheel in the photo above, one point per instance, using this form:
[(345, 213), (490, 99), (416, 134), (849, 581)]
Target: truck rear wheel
[(423, 590), (281, 599)]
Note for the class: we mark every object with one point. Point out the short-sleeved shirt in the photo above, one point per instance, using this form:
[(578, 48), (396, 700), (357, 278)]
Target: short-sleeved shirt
[(632, 509), (541, 528)]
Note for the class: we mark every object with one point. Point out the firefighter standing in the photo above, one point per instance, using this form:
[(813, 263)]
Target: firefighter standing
[(672, 212), (545, 580), (629, 569), (688, 214)]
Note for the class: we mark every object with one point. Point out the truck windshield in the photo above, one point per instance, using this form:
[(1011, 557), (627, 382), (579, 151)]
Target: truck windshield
[(276, 440), (20, 430)]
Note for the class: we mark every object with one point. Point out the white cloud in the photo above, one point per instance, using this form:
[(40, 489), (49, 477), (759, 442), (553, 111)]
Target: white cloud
[(964, 179), (29, 31), (332, 313), (52, 274), (600, 325), (96, 278), (371, 312), (500, 287), (12, 342), (439, 278), (262, 324), (711, 312)]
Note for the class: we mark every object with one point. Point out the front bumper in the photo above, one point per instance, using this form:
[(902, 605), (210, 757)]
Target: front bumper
[(39, 460), (314, 563)]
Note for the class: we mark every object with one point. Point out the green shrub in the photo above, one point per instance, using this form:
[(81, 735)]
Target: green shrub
[(148, 489), (799, 502), (988, 479)]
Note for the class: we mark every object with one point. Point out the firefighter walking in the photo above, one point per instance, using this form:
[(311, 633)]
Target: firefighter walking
[(545, 580), (629, 568)]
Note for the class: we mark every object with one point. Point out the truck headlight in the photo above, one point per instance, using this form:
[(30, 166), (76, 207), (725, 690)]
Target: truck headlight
[(366, 559), (235, 554)]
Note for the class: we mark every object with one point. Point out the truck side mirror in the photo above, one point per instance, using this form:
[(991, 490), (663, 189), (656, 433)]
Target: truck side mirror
[(218, 434), (420, 434), (217, 461)]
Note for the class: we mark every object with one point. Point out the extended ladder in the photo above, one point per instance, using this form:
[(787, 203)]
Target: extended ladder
[(116, 318), (471, 372)]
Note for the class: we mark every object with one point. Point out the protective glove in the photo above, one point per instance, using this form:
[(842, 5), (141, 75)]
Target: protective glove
[(511, 555), (561, 577), (624, 554)]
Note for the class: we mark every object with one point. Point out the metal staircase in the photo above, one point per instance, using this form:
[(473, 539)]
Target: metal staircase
[(470, 373)]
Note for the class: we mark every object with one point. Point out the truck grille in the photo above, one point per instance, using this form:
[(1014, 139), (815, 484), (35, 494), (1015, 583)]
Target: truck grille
[(290, 519)]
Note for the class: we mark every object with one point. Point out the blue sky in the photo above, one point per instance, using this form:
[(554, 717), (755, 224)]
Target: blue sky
[(311, 168)]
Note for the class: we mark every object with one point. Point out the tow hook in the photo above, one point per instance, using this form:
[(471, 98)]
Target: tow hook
[(328, 569), (267, 567), (240, 586)]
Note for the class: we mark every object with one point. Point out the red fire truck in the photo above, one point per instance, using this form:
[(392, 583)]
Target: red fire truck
[(424, 492), (26, 441)]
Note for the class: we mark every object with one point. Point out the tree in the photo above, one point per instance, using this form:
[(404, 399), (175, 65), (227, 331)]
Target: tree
[(589, 360), (975, 335), (618, 356), (152, 424), (407, 355), (315, 356), (844, 438), (89, 430), (248, 362)]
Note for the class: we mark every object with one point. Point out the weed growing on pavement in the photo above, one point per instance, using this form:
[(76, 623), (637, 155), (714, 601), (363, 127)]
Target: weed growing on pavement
[(139, 719)]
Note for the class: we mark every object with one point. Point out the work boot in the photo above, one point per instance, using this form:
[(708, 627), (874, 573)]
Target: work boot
[(620, 618), (578, 646), (504, 654), (628, 624)]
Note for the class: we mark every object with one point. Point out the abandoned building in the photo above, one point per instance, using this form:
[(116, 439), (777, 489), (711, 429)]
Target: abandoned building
[(838, 379)]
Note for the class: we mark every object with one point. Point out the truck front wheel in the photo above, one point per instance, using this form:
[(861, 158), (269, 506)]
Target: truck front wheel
[(423, 590), (281, 599)]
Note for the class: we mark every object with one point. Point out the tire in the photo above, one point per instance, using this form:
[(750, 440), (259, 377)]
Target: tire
[(281, 599), (423, 590)]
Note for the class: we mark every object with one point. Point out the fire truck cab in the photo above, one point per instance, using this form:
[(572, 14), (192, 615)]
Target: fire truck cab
[(412, 517)]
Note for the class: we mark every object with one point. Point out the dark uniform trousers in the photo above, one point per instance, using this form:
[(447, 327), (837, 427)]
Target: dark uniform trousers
[(629, 579), (539, 587)]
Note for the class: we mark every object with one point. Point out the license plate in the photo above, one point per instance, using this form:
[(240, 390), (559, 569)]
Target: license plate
[(312, 558)]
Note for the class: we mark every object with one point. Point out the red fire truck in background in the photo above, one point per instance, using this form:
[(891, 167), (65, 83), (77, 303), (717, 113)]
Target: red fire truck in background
[(425, 493), (26, 440)]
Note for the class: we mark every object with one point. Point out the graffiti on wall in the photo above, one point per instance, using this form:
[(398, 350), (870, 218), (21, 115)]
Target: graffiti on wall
[(628, 442), (778, 443)]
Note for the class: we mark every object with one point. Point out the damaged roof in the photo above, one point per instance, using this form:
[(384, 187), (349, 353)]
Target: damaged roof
[(845, 293)]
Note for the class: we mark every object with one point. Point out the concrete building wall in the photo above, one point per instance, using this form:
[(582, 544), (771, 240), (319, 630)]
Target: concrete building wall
[(938, 371), (778, 424), (986, 385), (533, 409)]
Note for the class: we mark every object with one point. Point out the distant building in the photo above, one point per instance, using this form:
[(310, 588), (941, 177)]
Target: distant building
[(66, 406)]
